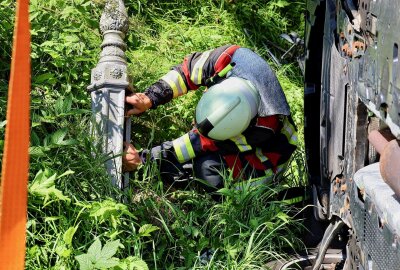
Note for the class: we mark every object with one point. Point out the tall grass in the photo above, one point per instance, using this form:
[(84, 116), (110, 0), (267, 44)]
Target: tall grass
[(76, 219)]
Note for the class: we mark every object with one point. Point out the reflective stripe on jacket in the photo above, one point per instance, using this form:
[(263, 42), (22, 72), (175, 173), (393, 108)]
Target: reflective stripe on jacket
[(265, 146), (192, 73)]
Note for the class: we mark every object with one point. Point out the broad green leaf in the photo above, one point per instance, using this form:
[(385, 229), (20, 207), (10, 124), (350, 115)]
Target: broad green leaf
[(114, 221), (146, 229), (85, 262), (225, 191), (35, 118), (34, 251), (67, 104), (57, 195), (37, 151), (69, 234), (43, 77), (35, 140), (282, 216), (71, 38), (58, 137), (44, 186), (54, 55), (95, 250), (3, 124), (48, 119), (281, 3), (68, 142), (135, 263), (59, 105), (67, 12), (106, 263), (110, 211), (65, 174), (232, 251), (109, 249), (41, 181), (47, 43), (32, 17), (63, 105), (74, 112), (63, 251)]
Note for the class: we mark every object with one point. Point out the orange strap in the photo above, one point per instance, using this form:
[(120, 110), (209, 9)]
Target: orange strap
[(14, 181)]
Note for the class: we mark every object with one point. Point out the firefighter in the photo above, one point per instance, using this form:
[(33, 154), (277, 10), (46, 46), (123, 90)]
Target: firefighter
[(243, 120)]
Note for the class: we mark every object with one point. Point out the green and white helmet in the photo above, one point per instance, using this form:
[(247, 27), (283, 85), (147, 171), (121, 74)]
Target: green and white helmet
[(226, 109)]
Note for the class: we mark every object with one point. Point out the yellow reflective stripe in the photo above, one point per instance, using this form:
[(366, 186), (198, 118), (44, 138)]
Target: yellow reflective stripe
[(175, 81), (241, 143), (183, 148), (197, 71), (178, 151), (289, 131), (173, 86), (260, 155), (189, 146), (182, 84)]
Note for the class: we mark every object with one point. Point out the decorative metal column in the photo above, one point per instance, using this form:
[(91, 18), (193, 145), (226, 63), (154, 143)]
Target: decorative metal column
[(109, 82)]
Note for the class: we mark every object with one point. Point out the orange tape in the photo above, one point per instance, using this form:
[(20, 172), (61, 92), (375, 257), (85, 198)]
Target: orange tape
[(14, 181)]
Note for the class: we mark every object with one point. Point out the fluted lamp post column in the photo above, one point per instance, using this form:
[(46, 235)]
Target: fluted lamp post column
[(109, 82)]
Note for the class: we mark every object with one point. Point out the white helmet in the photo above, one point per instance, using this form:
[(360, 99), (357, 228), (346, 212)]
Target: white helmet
[(226, 109)]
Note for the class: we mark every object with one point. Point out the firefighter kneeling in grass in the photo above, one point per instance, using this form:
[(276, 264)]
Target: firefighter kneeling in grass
[(242, 121)]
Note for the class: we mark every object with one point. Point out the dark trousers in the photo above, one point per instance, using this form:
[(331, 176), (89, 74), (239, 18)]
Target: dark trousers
[(209, 167)]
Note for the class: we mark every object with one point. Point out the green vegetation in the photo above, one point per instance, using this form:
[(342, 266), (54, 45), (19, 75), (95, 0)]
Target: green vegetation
[(77, 220)]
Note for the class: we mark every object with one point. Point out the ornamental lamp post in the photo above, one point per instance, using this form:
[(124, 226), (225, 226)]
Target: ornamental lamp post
[(109, 83)]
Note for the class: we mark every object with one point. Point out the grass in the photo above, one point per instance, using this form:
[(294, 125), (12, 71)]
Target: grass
[(74, 214)]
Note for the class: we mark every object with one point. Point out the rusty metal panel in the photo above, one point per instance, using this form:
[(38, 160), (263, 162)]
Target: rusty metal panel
[(380, 226)]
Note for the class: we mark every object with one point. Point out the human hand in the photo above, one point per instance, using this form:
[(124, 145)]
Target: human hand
[(140, 103), (131, 159)]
